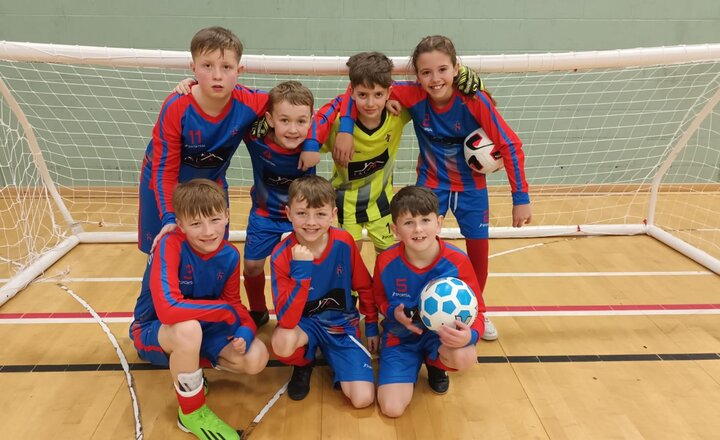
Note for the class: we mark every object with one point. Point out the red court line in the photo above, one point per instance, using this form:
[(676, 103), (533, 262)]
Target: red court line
[(544, 308)]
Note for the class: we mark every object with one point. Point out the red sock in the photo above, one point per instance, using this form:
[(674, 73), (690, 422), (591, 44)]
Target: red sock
[(189, 403), (255, 289), (477, 250), (295, 359)]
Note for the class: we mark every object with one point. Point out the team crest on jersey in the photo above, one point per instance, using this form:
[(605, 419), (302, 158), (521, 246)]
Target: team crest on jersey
[(220, 275), (267, 155), (339, 270), (426, 120), (458, 127), (188, 272), (387, 138)]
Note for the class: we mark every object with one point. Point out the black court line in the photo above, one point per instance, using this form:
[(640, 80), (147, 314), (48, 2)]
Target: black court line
[(63, 368)]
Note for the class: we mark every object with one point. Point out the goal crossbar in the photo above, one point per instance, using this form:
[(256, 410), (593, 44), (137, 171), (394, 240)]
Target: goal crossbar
[(335, 65)]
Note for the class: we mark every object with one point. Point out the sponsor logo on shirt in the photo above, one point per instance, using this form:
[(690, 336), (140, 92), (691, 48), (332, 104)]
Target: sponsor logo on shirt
[(443, 140), (360, 170), (334, 299), (277, 181), (208, 159)]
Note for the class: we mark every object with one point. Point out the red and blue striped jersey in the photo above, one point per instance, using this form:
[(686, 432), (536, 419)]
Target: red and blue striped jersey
[(182, 285), (442, 131), (397, 281), (322, 289), (187, 143), (274, 169)]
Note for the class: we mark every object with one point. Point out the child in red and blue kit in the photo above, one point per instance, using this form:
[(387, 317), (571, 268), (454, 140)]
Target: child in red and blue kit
[(189, 312), (314, 271), (275, 163), (196, 134), (401, 272)]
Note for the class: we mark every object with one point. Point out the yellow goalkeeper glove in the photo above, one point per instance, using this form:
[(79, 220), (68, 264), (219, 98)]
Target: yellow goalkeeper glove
[(259, 128), (468, 81)]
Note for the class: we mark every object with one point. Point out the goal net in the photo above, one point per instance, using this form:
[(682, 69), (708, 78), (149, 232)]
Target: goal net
[(616, 142)]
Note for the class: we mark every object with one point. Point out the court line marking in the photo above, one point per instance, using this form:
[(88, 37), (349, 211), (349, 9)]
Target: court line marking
[(258, 418), (504, 311), (95, 318), (492, 275), (487, 359)]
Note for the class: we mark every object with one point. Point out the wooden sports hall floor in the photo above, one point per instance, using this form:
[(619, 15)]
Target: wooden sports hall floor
[(613, 337)]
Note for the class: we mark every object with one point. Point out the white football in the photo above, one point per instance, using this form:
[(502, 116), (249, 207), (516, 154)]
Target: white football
[(478, 149), (446, 300)]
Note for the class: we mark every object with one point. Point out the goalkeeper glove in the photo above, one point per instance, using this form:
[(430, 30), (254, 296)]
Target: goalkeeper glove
[(259, 128), (468, 81)]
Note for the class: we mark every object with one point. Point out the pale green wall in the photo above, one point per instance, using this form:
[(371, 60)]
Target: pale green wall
[(341, 28)]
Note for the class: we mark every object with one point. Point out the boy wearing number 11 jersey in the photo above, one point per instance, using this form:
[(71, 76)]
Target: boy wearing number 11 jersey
[(197, 134)]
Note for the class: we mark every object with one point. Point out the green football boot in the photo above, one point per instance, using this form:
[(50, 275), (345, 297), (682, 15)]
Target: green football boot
[(206, 425)]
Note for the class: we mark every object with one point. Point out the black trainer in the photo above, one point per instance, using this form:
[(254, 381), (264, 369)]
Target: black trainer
[(299, 385), (438, 379), (260, 317)]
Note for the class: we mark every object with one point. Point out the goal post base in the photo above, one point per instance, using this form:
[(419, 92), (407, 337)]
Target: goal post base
[(23, 278)]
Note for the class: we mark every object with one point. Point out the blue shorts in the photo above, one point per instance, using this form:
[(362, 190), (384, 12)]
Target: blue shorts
[(344, 352), (149, 221), (263, 235), (401, 359), (145, 337), (471, 209)]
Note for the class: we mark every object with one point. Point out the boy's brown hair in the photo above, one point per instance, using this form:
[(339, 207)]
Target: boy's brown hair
[(198, 198), (370, 69), (293, 92), (215, 38), (315, 190), (415, 200)]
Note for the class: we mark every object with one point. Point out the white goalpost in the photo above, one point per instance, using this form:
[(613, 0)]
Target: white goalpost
[(617, 142)]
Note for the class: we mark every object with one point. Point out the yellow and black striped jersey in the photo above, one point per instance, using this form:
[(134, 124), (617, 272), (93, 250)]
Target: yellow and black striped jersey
[(364, 188)]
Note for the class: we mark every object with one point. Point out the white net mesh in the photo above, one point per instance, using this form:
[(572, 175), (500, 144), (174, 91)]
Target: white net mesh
[(594, 141), (28, 224)]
